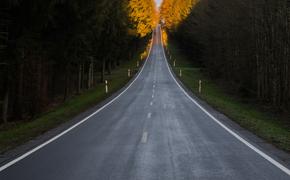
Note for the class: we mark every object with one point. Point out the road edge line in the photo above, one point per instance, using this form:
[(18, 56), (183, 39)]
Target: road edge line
[(258, 151), (23, 156)]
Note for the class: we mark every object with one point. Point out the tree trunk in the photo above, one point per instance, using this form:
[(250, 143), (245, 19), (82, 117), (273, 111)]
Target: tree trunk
[(18, 109), (103, 71), (66, 84), (79, 79), (114, 64), (92, 74), (89, 75), (5, 104), (109, 67), (83, 76)]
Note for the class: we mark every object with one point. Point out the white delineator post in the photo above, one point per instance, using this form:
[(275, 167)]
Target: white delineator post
[(129, 73), (199, 86), (106, 86), (137, 63), (174, 63), (180, 72)]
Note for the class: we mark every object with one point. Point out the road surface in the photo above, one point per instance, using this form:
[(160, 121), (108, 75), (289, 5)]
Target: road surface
[(152, 131)]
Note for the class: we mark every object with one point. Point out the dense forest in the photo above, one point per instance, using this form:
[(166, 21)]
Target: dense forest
[(243, 43), (53, 49)]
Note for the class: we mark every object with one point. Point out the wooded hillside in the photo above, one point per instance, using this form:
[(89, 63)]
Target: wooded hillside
[(243, 43), (53, 49)]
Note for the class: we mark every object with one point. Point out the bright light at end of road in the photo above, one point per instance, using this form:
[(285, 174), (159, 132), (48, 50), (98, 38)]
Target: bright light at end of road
[(158, 2)]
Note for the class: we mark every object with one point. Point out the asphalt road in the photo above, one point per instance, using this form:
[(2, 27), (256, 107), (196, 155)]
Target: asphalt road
[(153, 131)]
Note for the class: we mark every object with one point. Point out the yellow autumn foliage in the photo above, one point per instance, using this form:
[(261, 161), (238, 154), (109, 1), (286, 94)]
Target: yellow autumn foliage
[(164, 37), (172, 12), (143, 15)]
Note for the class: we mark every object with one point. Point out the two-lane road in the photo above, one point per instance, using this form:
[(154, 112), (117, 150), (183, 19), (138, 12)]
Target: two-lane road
[(152, 131)]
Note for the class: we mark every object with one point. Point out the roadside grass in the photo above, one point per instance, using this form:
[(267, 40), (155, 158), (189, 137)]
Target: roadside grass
[(14, 134), (264, 124)]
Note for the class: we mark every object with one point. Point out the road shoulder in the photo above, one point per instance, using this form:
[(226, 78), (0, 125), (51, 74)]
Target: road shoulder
[(272, 151), (18, 151)]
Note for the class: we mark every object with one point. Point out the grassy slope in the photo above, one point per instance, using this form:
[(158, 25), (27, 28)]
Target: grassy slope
[(264, 124), (14, 134)]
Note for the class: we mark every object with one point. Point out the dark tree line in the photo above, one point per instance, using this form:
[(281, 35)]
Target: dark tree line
[(244, 43), (52, 49)]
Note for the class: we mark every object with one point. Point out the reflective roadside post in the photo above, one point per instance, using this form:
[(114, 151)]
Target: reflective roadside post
[(180, 72), (199, 86), (106, 86), (129, 73)]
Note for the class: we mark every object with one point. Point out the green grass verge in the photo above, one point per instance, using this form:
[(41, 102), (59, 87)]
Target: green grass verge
[(16, 133), (264, 124)]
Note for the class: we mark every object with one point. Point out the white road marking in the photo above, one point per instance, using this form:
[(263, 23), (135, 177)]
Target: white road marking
[(149, 115), (7, 165), (151, 103), (261, 153), (153, 86), (144, 137), (152, 96)]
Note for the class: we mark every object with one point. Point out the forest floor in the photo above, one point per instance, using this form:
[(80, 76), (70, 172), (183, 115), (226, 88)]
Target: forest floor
[(267, 125), (14, 134)]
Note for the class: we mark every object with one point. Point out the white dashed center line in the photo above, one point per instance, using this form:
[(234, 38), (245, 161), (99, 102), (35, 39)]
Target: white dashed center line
[(149, 115), (144, 137)]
